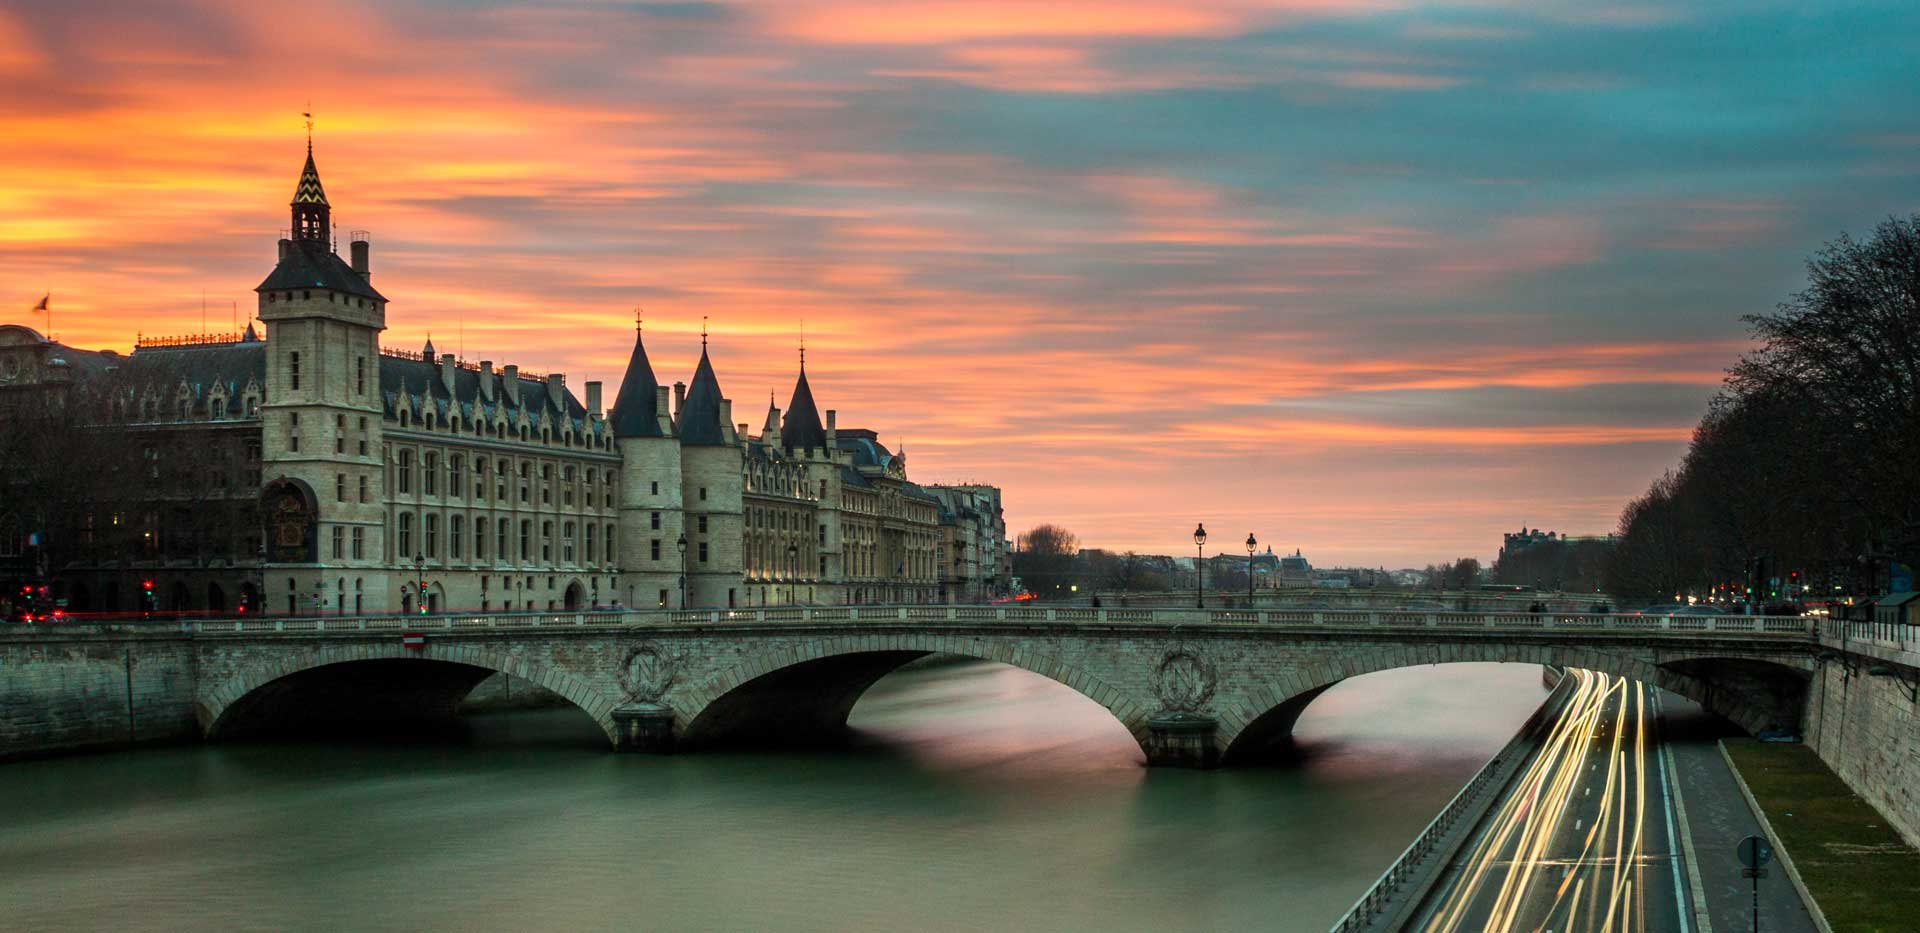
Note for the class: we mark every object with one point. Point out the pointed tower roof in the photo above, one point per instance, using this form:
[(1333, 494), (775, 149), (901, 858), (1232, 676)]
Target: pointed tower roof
[(700, 414), (802, 430), (426, 352), (308, 191), (251, 336), (307, 259), (635, 409), (772, 426)]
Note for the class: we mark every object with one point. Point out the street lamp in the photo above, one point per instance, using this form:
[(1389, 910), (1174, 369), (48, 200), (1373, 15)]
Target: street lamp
[(682, 545), (1251, 544), (793, 567), (1199, 568), (420, 580)]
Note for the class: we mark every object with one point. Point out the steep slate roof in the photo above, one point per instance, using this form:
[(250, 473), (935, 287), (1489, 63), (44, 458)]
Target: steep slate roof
[(700, 415), (158, 372), (802, 430), (635, 410), (405, 382), (312, 264)]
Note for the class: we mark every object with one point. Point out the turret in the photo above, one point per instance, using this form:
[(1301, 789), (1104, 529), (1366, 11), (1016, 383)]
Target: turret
[(650, 488)]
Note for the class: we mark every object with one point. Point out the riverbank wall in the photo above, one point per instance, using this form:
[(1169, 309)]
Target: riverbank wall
[(93, 687), (1866, 727)]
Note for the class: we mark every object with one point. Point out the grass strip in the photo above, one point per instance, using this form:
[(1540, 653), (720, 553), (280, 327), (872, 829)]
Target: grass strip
[(1864, 876)]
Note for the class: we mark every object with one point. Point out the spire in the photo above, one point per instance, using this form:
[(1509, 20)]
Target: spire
[(311, 213), (700, 413), (427, 353), (802, 430), (635, 409)]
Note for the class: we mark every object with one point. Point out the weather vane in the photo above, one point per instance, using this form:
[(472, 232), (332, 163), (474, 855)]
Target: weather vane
[(307, 114)]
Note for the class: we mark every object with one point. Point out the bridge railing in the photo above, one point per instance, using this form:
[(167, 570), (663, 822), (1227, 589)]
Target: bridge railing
[(1896, 637)]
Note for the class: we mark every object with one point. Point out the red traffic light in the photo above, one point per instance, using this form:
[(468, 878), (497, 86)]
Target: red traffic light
[(146, 584)]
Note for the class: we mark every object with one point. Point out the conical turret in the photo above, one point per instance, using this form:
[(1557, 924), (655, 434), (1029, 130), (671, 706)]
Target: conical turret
[(634, 410)]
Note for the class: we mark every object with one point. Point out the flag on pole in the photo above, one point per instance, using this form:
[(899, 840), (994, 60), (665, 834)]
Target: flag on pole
[(42, 306)]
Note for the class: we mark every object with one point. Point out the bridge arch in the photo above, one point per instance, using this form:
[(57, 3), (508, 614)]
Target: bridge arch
[(449, 671), (803, 694), (1754, 691)]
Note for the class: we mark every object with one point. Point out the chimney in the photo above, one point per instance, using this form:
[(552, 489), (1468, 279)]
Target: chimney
[(286, 246), (359, 248), (510, 382), (593, 398), (661, 412), (833, 437), (486, 380), (447, 369), (726, 415), (556, 388), (679, 398)]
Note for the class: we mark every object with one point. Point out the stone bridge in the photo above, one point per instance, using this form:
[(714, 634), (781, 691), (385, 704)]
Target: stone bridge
[(1194, 687)]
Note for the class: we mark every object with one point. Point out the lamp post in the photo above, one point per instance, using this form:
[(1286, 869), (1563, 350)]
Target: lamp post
[(420, 580), (1251, 544), (1199, 568), (682, 545), (793, 568)]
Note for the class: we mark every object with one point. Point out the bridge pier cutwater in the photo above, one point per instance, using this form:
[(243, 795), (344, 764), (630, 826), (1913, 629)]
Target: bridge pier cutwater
[(1195, 688)]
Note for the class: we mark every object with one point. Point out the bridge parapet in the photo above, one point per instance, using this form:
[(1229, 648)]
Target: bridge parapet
[(1811, 629)]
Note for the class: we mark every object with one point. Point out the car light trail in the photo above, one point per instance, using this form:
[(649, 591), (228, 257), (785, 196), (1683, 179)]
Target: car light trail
[(1565, 850)]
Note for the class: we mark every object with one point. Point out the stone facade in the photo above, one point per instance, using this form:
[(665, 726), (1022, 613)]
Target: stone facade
[(354, 478)]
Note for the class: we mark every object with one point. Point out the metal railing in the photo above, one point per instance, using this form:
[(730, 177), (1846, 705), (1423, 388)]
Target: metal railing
[(1386, 888)]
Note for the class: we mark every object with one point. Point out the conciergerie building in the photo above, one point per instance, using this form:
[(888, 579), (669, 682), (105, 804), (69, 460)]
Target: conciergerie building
[(307, 469)]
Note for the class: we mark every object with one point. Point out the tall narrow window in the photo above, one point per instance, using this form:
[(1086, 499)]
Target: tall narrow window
[(339, 542), (566, 543), (359, 543), (339, 487), (480, 539), (406, 535), (360, 375), (433, 535), (526, 538), (293, 370), (456, 532), (429, 464)]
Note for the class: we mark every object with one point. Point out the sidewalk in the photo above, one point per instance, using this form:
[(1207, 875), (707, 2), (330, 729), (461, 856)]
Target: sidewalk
[(1718, 818)]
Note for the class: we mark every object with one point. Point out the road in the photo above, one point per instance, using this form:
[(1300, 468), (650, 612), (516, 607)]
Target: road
[(1585, 839)]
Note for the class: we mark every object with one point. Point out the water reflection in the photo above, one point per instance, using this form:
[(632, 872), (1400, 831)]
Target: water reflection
[(979, 796)]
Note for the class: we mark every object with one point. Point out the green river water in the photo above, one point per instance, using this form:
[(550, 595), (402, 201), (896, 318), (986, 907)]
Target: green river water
[(980, 797)]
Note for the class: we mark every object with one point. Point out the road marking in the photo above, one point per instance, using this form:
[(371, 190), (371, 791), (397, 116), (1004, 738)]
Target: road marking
[(1666, 794)]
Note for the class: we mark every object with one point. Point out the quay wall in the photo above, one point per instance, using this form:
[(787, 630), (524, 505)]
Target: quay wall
[(88, 687), (1867, 729)]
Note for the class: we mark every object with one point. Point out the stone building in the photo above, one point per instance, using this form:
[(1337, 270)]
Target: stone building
[(311, 470)]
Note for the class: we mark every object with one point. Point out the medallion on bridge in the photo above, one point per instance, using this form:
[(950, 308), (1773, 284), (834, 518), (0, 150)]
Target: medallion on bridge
[(647, 673), (1184, 681)]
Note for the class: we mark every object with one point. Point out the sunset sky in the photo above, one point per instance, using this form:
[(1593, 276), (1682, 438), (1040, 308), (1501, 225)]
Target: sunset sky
[(1375, 279)]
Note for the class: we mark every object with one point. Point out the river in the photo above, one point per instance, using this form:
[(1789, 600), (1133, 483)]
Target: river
[(980, 796)]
